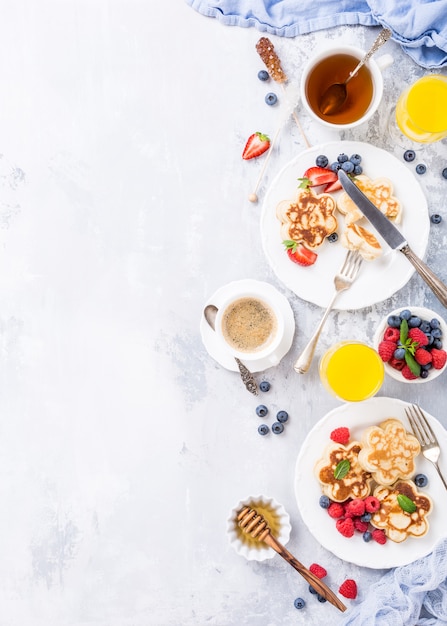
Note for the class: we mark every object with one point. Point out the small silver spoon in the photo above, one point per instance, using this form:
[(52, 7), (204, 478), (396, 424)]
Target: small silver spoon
[(335, 95), (210, 313)]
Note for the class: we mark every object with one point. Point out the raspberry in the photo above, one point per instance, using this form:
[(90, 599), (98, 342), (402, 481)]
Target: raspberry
[(318, 570), (372, 504), (439, 358), (386, 350), (397, 364), (359, 525), (341, 435), (379, 536), (422, 356), (407, 373), (336, 510), (355, 508), (348, 589), (417, 335), (345, 526), (392, 334)]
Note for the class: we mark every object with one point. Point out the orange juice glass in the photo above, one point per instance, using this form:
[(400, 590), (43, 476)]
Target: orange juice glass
[(421, 111), (352, 371)]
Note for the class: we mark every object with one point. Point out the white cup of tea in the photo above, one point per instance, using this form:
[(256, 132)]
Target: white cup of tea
[(364, 91), (250, 326)]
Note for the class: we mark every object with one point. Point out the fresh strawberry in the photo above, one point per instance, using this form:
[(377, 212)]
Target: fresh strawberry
[(316, 176), (256, 145), (335, 186), (299, 254), (348, 589)]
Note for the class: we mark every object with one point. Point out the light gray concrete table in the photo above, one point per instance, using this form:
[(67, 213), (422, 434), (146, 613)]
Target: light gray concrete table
[(123, 206)]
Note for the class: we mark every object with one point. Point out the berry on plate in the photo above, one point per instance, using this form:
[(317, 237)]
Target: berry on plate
[(257, 144), (316, 176), (299, 254), (341, 435)]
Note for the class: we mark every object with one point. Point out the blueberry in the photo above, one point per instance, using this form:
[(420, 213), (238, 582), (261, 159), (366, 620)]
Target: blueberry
[(444, 172), (356, 159), (299, 603), (414, 321), (342, 158), (405, 314), (261, 410), (282, 416), (358, 169), (264, 385), (333, 237), (277, 428), (436, 333), (421, 168), (421, 480), (263, 429), (437, 343), (423, 373), (324, 502), (394, 321), (322, 161), (335, 166), (347, 167), (426, 366), (367, 536), (366, 517), (409, 155), (399, 353), (425, 326), (312, 590), (263, 75), (436, 218), (321, 598), (435, 323), (271, 98)]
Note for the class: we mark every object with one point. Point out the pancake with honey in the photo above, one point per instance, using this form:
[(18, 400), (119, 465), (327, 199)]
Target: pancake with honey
[(379, 191), (355, 237), (308, 219), (352, 482), (403, 511), (389, 452)]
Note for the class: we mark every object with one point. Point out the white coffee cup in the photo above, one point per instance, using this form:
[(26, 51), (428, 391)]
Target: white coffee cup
[(250, 326), (375, 67)]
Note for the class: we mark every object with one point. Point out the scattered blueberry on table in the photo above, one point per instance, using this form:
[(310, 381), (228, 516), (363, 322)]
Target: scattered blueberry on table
[(264, 386), (421, 480), (282, 416), (263, 75), (263, 429), (299, 603), (261, 410), (271, 98), (436, 218), (444, 172), (277, 428), (409, 155), (421, 168)]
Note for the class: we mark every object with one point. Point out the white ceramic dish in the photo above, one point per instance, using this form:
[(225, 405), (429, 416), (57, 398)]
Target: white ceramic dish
[(379, 279), (261, 551), (214, 346), (357, 417), (423, 313)]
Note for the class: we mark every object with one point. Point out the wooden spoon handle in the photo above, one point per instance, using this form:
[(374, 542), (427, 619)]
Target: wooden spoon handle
[(316, 582)]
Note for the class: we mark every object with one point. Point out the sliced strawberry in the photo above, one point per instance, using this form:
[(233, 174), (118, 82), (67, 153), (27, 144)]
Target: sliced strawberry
[(257, 144), (299, 254), (335, 186), (315, 176)]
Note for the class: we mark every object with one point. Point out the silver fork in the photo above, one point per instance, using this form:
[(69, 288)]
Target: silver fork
[(426, 437), (342, 281)]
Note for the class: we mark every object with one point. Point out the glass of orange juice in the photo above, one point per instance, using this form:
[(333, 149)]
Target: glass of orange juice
[(352, 371), (421, 110)]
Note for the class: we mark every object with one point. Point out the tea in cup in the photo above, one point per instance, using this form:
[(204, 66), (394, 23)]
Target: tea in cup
[(250, 326), (421, 111), (352, 371), (364, 90)]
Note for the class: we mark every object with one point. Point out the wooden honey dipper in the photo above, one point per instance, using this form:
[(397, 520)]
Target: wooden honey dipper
[(253, 524)]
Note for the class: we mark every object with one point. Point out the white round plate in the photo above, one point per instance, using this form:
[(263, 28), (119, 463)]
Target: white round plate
[(211, 342), (357, 416), (378, 279), (425, 314)]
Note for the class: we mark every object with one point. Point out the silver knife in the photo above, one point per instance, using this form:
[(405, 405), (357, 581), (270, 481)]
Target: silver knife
[(392, 236)]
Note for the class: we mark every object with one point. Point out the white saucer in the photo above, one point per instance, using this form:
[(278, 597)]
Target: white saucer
[(210, 339)]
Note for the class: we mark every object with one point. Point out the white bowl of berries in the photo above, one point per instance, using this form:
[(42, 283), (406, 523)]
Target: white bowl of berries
[(412, 343)]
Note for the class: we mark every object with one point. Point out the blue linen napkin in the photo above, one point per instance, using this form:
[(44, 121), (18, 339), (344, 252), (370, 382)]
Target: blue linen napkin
[(410, 595), (420, 26)]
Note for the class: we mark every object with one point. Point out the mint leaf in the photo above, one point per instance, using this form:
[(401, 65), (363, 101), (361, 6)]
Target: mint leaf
[(342, 469), (412, 364), (406, 504), (403, 332), (305, 183), (289, 244)]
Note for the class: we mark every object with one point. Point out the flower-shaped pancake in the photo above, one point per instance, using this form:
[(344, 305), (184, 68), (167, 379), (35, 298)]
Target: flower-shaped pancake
[(401, 520), (308, 219), (379, 191), (389, 452), (355, 483)]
